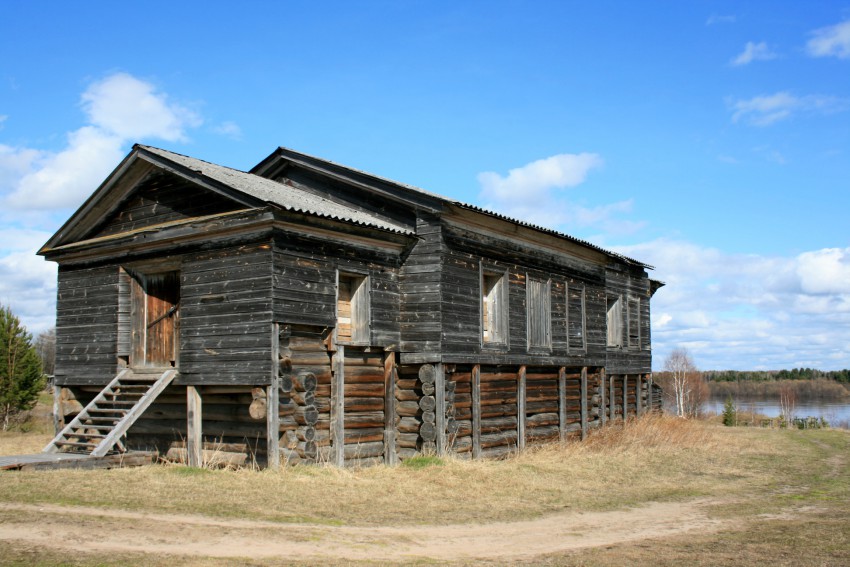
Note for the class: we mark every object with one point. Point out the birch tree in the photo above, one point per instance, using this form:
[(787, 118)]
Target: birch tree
[(689, 389)]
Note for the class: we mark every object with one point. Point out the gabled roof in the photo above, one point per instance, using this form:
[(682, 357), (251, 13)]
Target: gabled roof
[(271, 192), (413, 196), (252, 191), (256, 189)]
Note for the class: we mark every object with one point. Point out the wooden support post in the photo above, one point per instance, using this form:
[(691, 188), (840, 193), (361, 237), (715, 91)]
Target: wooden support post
[(58, 410), (625, 396), (638, 404), (583, 402), (194, 431), (338, 407), (602, 396), (273, 404), (520, 409), (440, 395), (562, 404), (476, 411), (611, 402), (390, 455)]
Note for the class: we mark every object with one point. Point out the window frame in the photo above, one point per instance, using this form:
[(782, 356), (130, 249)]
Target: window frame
[(502, 335), (545, 311), (361, 301), (614, 311), (634, 323)]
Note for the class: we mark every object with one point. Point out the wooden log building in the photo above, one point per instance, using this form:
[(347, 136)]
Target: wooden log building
[(309, 312)]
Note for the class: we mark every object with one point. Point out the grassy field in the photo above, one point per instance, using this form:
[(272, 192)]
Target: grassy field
[(782, 497)]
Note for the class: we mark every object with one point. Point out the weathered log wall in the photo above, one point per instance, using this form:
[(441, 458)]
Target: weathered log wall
[(87, 325)]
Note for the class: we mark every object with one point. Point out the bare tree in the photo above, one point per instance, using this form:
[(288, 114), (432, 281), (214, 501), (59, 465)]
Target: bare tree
[(688, 387), (787, 402), (45, 346)]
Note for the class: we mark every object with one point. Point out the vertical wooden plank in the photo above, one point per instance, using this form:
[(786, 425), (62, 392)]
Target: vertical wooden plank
[(476, 411), (562, 403), (520, 409), (611, 402), (273, 404), (638, 404), (194, 430), (390, 455), (583, 402), (338, 407), (440, 394), (602, 396), (625, 396)]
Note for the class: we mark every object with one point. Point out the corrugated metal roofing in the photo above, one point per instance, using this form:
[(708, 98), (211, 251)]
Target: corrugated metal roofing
[(475, 208), (285, 196)]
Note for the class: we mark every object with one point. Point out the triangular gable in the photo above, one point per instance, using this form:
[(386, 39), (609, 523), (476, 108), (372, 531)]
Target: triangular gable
[(163, 197), (103, 210), (138, 168)]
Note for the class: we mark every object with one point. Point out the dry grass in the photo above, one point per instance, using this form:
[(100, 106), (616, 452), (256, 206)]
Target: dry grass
[(17, 443), (755, 475), (651, 459)]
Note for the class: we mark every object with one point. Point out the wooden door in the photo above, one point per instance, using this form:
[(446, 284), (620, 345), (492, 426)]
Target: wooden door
[(156, 317)]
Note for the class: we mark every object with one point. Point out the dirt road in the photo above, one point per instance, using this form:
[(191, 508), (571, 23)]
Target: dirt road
[(104, 530)]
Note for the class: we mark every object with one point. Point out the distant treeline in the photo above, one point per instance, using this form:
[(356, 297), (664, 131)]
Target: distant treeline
[(842, 376), (803, 389)]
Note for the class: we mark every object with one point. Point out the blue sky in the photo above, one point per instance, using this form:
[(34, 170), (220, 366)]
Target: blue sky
[(709, 139)]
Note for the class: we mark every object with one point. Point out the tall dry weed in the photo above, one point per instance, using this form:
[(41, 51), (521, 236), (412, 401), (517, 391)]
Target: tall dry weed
[(652, 431)]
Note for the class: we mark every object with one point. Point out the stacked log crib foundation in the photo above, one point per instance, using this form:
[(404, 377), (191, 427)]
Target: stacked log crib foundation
[(357, 406)]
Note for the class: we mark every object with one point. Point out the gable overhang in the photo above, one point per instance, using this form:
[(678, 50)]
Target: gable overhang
[(231, 227), (282, 158), (109, 196)]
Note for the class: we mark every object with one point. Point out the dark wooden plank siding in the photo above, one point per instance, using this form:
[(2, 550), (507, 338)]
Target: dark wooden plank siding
[(87, 325), (226, 316), (421, 290), (632, 357), (304, 285), (163, 197)]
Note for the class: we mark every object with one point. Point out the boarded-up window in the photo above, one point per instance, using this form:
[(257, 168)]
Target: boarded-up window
[(494, 309), (576, 323), (352, 309), (615, 321), (634, 322), (124, 320), (539, 304)]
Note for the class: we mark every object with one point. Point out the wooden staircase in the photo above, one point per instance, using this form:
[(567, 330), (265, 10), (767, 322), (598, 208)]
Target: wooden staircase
[(99, 427)]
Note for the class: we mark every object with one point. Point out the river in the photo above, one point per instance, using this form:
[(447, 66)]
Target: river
[(835, 413)]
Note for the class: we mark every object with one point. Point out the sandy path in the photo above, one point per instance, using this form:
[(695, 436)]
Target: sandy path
[(94, 529)]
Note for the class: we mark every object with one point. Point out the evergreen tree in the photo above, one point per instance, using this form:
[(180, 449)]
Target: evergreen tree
[(729, 417), (21, 378)]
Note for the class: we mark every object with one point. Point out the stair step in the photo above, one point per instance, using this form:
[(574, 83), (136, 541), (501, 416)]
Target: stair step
[(117, 402), (107, 410), (75, 444)]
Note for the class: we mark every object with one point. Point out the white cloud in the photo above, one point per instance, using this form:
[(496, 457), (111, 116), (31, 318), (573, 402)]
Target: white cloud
[(746, 311), (120, 109), (825, 271), (27, 281), (765, 110), (130, 109), (718, 19), (753, 52), (534, 193), (3, 118), (229, 129), (831, 41), (539, 177), (37, 186)]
